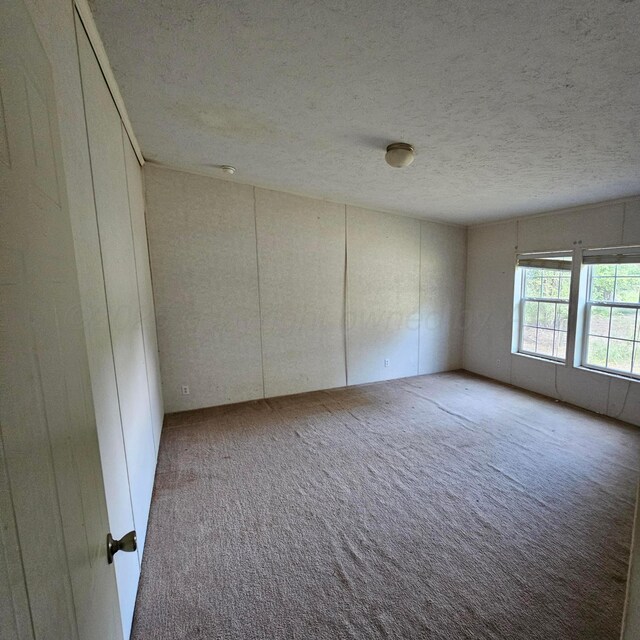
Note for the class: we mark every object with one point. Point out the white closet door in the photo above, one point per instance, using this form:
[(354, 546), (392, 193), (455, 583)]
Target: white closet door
[(54, 578), (143, 271), (123, 307)]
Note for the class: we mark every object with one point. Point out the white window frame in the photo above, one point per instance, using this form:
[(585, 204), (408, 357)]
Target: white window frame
[(590, 258), (520, 299)]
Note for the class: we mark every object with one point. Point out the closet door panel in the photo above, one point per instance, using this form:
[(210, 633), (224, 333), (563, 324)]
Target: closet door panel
[(143, 272), (123, 310)]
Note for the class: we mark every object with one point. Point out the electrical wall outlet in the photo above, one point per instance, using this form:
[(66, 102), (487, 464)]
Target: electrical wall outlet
[(185, 389), (386, 362)]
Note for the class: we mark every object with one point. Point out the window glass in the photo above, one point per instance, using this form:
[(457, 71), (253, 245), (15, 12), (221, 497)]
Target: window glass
[(613, 318), (544, 309)]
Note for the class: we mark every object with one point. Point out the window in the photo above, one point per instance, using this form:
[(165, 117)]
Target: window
[(612, 339), (605, 305), (543, 284)]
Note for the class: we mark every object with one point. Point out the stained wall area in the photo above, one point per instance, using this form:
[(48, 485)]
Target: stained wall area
[(262, 293)]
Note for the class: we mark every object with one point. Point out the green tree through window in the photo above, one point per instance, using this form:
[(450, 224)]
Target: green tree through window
[(613, 318)]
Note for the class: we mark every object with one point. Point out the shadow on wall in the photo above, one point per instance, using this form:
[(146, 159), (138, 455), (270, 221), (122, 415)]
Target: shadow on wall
[(302, 405)]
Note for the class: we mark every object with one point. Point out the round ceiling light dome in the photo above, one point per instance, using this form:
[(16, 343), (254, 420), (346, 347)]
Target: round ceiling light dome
[(399, 154)]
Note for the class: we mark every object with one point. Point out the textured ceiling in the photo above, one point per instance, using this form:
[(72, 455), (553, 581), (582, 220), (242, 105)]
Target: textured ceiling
[(513, 107)]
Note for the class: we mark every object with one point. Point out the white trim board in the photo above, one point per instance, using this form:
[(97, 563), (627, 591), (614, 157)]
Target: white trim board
[(86, 17)]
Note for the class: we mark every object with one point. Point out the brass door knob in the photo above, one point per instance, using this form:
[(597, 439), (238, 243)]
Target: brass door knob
[(128, 542)]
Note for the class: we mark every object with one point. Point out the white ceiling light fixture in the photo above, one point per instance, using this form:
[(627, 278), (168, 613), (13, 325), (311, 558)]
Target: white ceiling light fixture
[(399, 155), (227, 168)]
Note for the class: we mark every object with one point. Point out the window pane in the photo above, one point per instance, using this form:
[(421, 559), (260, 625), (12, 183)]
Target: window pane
[(547, 315), (565, 287), (545, 342), (627, 289), (636, 359), (600, 270), (534, 272), (533, 286), (560, 344), (620, 354), (546, 283), (599, 325), (529, 339), (623, 323), (550, 285), (531, 313), (602, 289), (597, 351), (562, 316), (629, 269)]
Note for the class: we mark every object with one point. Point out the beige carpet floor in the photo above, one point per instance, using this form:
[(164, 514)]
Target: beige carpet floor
[(436, 507)]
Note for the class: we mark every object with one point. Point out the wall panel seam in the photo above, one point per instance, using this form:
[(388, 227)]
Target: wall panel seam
[(18, 544), (345, 301), (419, 301), (255, 222)]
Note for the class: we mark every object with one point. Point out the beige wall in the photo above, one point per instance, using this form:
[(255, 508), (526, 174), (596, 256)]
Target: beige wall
[(442, 271), (301, 282), (204, 269), (383, 296), (261, 293), (491, 256)]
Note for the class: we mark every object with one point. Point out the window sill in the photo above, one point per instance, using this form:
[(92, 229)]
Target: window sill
[(609, 374), (529, 356)]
